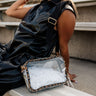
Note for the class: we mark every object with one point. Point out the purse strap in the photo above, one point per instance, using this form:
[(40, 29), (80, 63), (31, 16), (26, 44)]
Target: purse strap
[(69, 83), (60, 7)]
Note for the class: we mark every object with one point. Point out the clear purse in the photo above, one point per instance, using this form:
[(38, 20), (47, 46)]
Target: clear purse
[(44, 73)]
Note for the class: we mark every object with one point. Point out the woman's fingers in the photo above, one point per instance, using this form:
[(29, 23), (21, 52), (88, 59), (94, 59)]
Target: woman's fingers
[(72, 76), (72, 80)]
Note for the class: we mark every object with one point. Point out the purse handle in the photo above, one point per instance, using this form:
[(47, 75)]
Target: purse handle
[(69, 83)]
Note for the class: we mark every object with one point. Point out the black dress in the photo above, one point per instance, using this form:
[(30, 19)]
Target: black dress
[(34, 38)]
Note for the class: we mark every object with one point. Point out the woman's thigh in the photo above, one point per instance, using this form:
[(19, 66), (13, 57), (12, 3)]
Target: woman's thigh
[(6, 87), (10, 77)]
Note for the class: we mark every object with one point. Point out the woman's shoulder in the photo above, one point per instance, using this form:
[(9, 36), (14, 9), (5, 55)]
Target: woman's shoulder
[(69, 6)]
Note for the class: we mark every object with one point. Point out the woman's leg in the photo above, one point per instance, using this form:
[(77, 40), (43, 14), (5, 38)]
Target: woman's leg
[(10, 77), (10, 72), (6, 87)]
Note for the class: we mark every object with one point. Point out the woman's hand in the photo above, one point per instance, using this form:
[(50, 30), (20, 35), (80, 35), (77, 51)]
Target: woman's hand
[(72, 76), (16, 10)]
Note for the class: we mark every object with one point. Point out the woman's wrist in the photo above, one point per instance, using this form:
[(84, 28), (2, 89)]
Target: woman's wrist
[(67, 70), (67, 67)]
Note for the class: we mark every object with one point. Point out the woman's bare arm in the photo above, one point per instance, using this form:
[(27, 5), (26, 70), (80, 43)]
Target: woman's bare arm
[(65, 26), (16, 9)]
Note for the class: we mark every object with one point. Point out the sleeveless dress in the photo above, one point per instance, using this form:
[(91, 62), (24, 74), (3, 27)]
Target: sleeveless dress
[(34, 38)]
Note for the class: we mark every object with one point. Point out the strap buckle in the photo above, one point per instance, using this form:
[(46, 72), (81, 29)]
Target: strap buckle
[(52, 21)]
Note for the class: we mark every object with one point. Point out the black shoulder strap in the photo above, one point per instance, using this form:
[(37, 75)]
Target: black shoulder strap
[(60, 7)]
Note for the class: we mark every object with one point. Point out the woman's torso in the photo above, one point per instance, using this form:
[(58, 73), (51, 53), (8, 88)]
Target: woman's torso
[(35, 36)]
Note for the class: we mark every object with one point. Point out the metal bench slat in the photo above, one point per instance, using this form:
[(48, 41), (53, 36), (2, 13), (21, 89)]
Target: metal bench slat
[(59, 91), (6, 1), (80, 26)]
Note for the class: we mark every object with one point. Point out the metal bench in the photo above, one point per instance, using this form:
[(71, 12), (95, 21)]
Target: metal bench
[(6, 1), (9, 24), (84, 35), (80, 26), (59, 91), (7, 30), (83, 1), (82, 6), (85, 26)]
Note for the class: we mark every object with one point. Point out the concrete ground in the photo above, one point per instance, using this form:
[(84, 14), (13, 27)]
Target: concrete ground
[(86, 75)]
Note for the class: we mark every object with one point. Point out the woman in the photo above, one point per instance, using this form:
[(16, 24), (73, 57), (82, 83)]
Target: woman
[(26, 44)]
